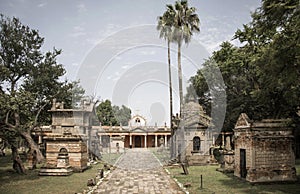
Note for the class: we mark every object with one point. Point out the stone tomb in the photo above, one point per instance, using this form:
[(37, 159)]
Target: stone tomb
[(68, 144), (74, 152), (264, 150)]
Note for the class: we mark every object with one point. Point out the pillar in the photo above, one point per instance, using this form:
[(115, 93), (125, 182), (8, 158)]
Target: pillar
[(40, 139), (110, 136), (130, 141), (145, 136), (166, 141), (155, 140), (223, 140), (213, 140)]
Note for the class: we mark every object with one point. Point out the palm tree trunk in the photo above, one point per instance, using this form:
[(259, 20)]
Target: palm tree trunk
[(180, 79), (171, 103), (170, 84)]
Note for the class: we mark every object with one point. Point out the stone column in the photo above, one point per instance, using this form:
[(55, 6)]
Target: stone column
[(205, 145), (100, 143), (166, 140), (130, 140), (223, 140), (155, 140), (110, 140), (40, 139), (213, 140), (145, 136)]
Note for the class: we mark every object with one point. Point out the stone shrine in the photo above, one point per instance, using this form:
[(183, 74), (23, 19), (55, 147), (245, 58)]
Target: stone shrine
[(68, 144), (192, 138), (264, 150)]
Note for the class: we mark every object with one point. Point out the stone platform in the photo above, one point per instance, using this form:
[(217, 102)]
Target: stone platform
[(55, 171)]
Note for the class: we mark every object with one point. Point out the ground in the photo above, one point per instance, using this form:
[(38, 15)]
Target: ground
[(217, 182), (138, 171), (11, 182)]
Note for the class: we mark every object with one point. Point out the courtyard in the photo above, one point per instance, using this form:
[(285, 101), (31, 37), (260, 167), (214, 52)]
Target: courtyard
[(138, 170)]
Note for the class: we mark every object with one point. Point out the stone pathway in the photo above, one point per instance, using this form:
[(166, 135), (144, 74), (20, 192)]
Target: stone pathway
[(138, 171)]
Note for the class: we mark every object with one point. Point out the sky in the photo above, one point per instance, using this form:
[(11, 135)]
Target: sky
[(114, 49)]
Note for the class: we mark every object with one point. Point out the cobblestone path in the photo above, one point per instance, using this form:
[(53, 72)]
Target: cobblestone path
[(138, 171)]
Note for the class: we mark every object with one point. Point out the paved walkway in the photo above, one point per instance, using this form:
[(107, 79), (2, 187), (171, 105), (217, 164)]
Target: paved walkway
[(138, 171)]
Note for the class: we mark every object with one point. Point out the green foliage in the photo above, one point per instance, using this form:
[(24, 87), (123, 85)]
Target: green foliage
[(112, 115), (122, 114), (185, 23), (29, 80), (262, 77), (178, 24), (105, 113)]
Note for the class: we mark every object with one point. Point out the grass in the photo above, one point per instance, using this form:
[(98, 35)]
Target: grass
[(11, 182), (217, 182)]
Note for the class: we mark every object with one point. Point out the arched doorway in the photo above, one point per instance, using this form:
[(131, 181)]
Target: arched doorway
[(196, 144), (137, 141)]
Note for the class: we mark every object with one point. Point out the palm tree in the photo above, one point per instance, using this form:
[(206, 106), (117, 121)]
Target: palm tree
[(165, 25), (185, 22)]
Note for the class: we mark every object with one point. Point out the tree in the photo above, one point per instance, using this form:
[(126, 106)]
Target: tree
[(272, 39), (164, 26), (122, 114), (105, 113), (29, 81), (185, 23), (112, 115), (262, 77)]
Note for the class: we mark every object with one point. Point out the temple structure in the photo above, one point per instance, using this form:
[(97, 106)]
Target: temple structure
[(136, 135), (192, 137), (264, 150), (68, 144), (72, 139)]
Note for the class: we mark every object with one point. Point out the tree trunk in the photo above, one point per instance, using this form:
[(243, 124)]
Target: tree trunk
[(171, 100), (33, 146), (170, 83), (17, 162), (180, 79)]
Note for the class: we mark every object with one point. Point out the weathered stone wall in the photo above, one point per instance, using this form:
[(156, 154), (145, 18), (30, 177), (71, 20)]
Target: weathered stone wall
[(242, 141), (269, 150), (77, 153), (202, 157)]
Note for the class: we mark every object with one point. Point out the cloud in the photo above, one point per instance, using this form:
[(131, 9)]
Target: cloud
[(43, 4), (81, 8), (78, 31)]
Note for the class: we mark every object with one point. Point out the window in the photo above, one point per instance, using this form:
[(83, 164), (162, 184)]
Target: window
[(137, 120), (196, 144)]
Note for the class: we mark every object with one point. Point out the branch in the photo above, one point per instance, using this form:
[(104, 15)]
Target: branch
[(7, 123), (17, 119), (38, 114)]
